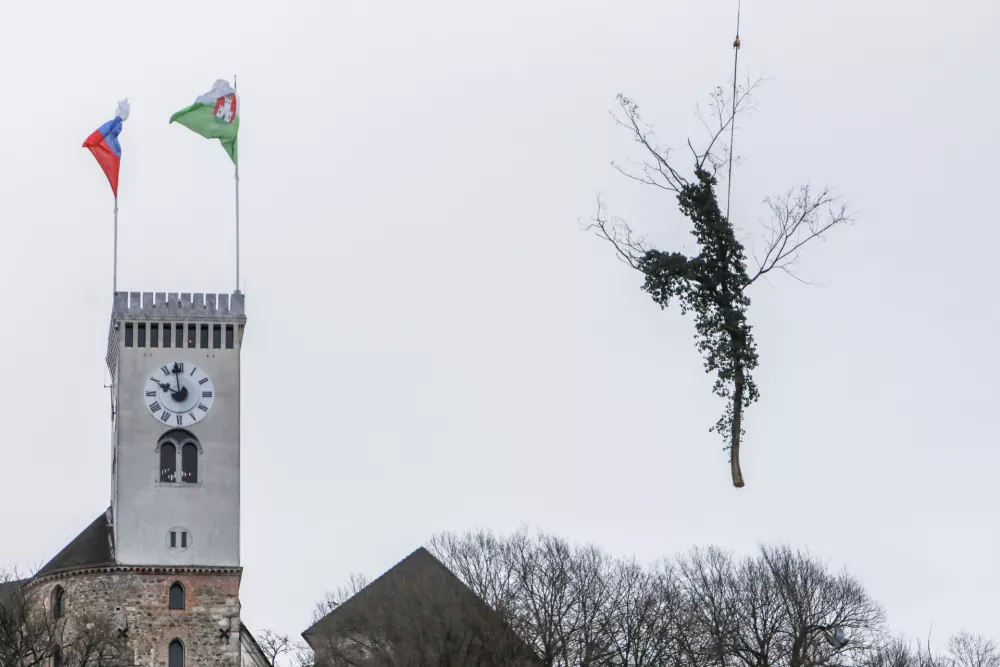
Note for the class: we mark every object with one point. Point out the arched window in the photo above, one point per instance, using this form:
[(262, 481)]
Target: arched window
[(176, 654), (179, 444), (177, 595), (168, 462), (189, 463), (58, 602)]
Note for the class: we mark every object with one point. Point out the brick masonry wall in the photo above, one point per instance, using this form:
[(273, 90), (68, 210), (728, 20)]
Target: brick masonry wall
[(142, 599)]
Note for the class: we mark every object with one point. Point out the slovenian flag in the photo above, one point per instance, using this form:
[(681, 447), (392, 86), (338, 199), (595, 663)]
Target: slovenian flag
[(214, 115), (103, 143)]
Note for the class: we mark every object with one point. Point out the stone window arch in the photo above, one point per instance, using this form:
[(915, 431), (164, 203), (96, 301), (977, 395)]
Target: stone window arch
[(177, 595), (58, 602), (179, 452), (175, 654)]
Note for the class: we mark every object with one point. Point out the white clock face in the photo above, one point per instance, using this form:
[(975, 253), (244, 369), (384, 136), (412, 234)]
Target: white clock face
[(179, 394)]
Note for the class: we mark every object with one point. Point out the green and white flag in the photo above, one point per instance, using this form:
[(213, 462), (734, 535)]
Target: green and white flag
[(214, 115)]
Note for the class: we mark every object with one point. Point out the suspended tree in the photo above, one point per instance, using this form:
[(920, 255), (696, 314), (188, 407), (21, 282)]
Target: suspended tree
[(714, 284)]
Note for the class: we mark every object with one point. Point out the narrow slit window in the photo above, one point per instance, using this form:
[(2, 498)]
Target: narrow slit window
[(191, 336), (229, 336), (173, 539), (128, 334), (178, 335), (204, 336), (142, 335), (166, 334), (189, 463), (175, 656), (168, 462), (154, 335), (216, 336), (184, 539), (58, 602), (177, 595)]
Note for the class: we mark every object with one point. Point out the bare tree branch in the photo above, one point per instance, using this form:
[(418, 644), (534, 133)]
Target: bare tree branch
[(628, 246), (724, 116), (333, 599), (274, 645), (643, 134), (796, 219), (969, 650)]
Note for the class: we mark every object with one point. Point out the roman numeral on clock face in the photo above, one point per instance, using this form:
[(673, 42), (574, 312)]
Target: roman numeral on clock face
[(180, 419), (150, 393), (203, 381), (206, 394), (154, 406), (203, 407), (166, 371), (165, 417)]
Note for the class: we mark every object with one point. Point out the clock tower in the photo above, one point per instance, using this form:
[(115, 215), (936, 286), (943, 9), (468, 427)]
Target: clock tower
[(162, 563), (174, 361)]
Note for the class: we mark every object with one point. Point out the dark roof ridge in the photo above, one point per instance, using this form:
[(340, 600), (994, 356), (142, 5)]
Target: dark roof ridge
[(371, 583), (93, 546)]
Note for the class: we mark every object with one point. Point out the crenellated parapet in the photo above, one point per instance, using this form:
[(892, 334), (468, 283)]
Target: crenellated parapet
[(183, 306)]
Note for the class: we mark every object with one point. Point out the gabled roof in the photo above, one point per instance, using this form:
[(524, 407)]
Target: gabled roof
[(416, 590), (383, 589), (91, 547)]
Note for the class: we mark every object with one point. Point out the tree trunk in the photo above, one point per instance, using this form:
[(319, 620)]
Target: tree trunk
[(734, 445)]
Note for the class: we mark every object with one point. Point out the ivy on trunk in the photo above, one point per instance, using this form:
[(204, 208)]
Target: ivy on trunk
[(712, 286)]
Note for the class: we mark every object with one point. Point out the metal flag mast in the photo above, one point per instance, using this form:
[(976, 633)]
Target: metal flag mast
[(103, 144), (239, 103), (114, 274)]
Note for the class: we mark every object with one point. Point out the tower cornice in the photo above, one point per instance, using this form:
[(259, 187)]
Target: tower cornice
[(165, 570)]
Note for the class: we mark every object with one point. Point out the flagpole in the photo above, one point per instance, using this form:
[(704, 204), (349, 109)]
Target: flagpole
[(236, 175), (114, 275)]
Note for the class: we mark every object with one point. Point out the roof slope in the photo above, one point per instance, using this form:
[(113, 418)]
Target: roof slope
[(91, 547), (252, 648), (417, 611)]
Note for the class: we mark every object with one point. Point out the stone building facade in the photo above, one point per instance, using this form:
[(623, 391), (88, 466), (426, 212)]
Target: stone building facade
[(137, 600)]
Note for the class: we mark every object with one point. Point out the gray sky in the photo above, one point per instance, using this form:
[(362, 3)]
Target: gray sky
[(434, 344)]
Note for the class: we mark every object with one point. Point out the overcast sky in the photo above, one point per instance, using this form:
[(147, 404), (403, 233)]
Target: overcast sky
[(434, 344)]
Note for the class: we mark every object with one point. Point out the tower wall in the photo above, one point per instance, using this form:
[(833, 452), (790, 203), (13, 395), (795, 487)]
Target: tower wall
[(139, 601), (145, 510)]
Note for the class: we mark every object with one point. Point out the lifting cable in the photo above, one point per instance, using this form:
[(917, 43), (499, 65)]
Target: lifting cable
[(732, 128)]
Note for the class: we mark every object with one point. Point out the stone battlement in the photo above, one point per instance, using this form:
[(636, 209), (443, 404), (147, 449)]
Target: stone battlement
[(178, 306)]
